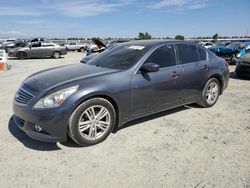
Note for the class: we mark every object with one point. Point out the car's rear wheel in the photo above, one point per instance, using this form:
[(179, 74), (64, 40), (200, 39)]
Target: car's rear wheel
[(233, 59), (210, 93), (92, 122), (21, 55), (56, 55), (82, 49)]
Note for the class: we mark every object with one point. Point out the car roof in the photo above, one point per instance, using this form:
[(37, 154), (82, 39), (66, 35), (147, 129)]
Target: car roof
[(155, 42)]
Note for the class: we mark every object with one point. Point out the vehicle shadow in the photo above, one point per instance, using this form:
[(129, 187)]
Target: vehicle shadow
[(155, 116), (28, 142), (26, 59), (71, 144), (234, 76)]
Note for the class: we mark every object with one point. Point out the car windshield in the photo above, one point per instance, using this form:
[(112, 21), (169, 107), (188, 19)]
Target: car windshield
[(234, 45), (220, 44), (120, 57)]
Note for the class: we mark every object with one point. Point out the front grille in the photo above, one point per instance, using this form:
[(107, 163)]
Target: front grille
[(23, 97)]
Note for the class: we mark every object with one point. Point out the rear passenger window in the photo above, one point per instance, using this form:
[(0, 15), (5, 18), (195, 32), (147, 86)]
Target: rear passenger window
[(203, 55), (163, 56), (187, 53)]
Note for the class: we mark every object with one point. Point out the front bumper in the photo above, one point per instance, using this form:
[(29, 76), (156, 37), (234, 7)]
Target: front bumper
[(54, 122), (12, 54)]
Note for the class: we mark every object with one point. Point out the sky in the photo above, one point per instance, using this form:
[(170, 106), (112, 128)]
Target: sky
[(123, 18)]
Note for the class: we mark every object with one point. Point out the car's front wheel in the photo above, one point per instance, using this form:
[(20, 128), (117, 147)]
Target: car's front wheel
[(210, 93), (92, 122), (21, 55)]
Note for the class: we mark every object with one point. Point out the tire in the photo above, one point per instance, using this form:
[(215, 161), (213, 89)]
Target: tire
[(233, 59), (56, 55), (82, 49), (21, 55), (92, 122), (210, 93)]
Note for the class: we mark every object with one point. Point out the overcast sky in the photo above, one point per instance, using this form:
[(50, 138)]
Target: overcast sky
[(123, 18)]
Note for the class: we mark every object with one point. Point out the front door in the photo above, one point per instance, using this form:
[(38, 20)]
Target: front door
[(152, 91)]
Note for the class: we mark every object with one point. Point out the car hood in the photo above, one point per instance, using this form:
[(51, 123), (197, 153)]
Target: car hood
[(54, 77), (99, 43)]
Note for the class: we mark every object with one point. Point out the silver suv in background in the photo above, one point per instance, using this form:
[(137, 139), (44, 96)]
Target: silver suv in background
[(38, 50)]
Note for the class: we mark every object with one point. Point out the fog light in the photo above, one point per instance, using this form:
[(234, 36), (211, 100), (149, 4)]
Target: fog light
[(38, 128)]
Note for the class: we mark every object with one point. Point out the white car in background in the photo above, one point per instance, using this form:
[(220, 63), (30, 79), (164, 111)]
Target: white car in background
[(207, 44), (71, 46)]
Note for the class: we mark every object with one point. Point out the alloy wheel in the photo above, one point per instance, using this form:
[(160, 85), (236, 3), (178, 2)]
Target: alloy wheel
[(212, 93), (94, 122)]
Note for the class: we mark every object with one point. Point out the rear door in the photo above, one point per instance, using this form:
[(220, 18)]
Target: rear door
[(193, 70), (47, 49), (157, 90)]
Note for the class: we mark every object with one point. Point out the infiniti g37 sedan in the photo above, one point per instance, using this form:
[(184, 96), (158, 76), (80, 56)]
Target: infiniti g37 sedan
[(38, 50), (87, 101)]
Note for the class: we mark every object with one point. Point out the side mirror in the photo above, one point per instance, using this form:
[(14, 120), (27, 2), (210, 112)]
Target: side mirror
[(150, 67)]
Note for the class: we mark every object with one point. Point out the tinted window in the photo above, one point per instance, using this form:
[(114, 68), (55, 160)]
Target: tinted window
[(187, 53), (203, 55), (36, 45), (120, 57), (163, 56), (48, 45)]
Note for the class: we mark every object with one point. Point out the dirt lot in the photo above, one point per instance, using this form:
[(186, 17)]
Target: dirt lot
[(184, 147)]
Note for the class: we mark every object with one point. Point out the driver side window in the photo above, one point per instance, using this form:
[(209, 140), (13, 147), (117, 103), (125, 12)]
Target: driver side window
[(164, 56), (36, 45)]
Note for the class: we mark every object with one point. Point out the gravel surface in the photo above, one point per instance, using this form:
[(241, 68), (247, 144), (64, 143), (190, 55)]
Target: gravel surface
[(184, 147)]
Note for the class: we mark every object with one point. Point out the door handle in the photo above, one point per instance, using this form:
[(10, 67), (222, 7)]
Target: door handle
[(175, 74), (206, 67)]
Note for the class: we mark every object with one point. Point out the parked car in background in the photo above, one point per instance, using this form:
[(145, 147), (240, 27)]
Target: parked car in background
[(101, 47), (13, 44), (222, 44), (71, 46), (132, 80), (244, 51), (38, 50), (115, 42), (94, 50), (242, 68), (36, 40), (207, 44), (229, 52)]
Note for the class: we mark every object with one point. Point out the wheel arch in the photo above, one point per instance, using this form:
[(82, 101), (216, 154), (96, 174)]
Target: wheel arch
[(219, 78), (109, 99), (25, 53)]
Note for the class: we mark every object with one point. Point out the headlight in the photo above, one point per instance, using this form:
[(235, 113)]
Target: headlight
[(238, 55), (55, 99)]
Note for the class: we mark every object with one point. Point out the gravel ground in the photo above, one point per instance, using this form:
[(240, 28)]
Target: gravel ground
[(184, 147)]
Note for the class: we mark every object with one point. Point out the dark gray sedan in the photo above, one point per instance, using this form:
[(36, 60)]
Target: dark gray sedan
[(135, 79), (38, 50)]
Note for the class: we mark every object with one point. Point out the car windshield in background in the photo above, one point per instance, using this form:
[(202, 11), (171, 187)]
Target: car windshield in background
[(234, 45), (120, 57)]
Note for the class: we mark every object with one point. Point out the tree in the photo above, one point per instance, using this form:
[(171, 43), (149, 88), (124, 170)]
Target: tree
[(143, 36), (215, 37), (179, 37)]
